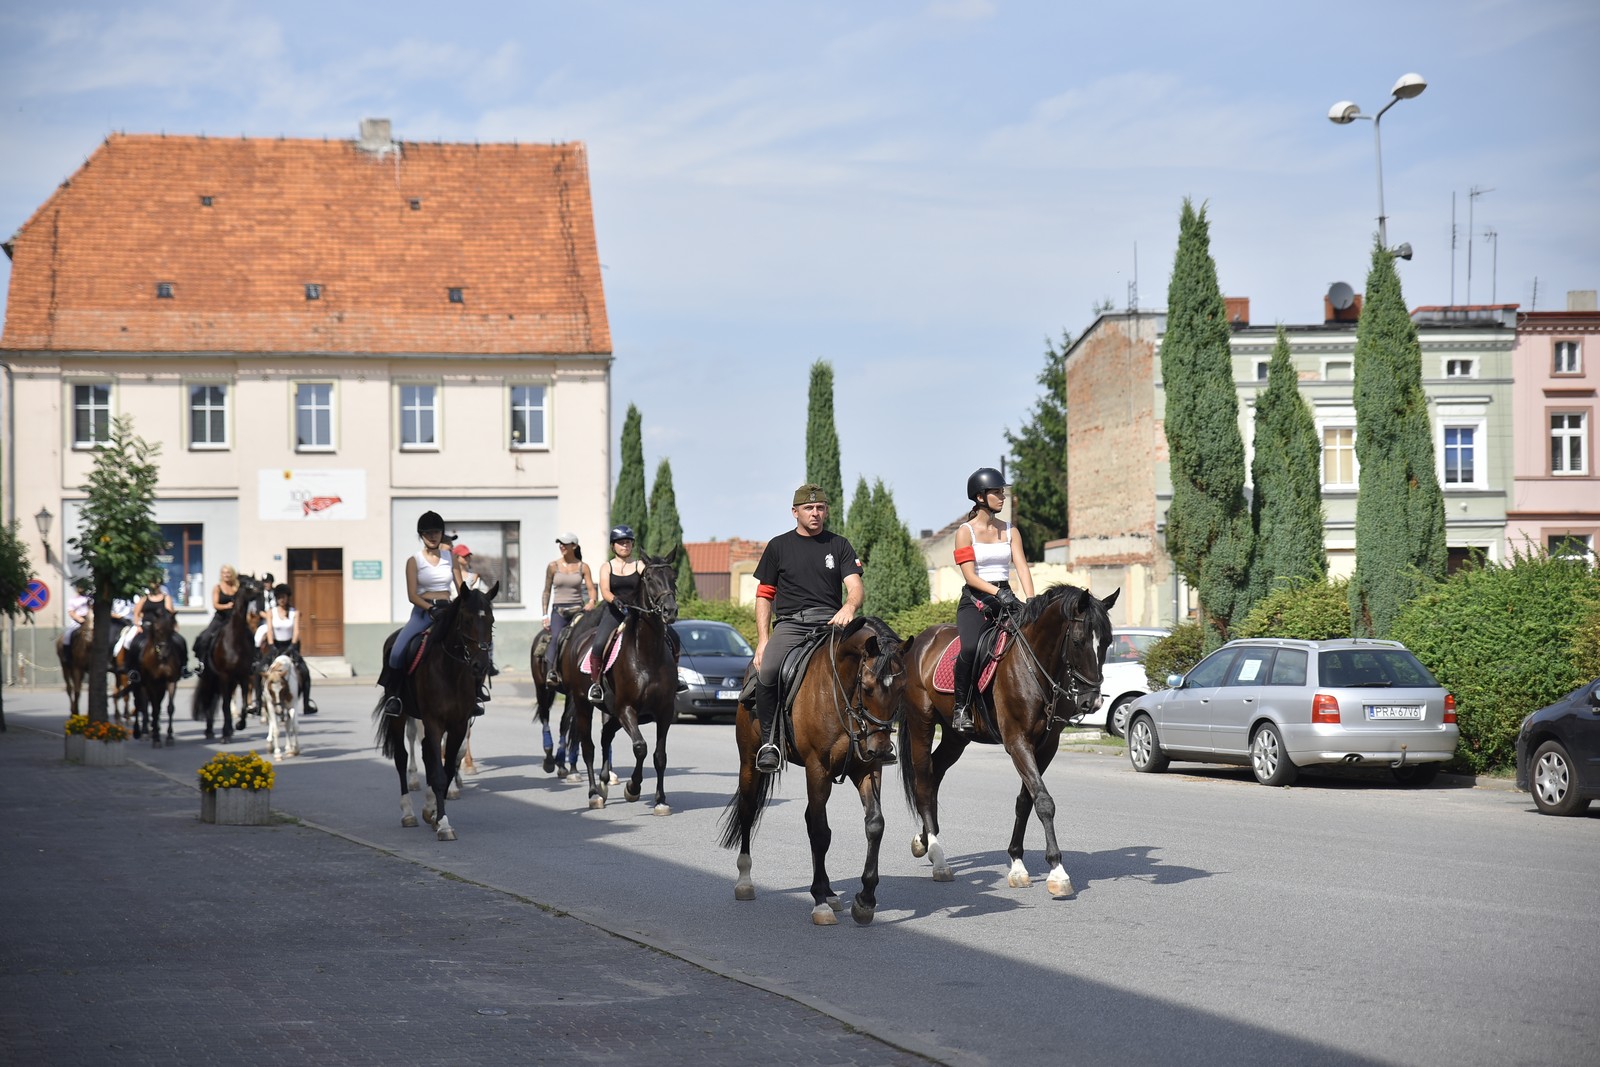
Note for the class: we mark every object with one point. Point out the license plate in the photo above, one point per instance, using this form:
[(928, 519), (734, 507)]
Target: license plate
[(1394, 711), (727, 694)]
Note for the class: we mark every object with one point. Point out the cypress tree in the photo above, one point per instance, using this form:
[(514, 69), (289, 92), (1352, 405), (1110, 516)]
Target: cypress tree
[(628, 506), (1286, 510), (1208, 524), (1039, 458), (862, 528), (896, 577), (822, 442), (666, 531), (1400, 538)]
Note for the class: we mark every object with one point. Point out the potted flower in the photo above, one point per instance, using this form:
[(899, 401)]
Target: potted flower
[(102, 744), (75, 725), (235, 789)]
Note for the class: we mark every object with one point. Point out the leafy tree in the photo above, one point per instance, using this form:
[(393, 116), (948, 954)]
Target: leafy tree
[(1039, 457), (1311, 609), (15, 571), (822, 441), (1286, 510), (863, 528), (1400, 539), (1177, 653), (666, 531), (118, 539), (628, 506), (1208, 524), (896, 575)]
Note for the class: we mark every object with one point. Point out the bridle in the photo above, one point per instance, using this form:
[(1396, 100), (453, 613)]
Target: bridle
[(471, 652), (1080, 692), (663, 606), (855, 718)]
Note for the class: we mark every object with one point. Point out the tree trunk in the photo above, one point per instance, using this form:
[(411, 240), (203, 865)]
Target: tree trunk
[(100, 656)]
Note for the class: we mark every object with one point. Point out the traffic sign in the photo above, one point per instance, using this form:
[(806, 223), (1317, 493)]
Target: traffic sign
[(35, 595)]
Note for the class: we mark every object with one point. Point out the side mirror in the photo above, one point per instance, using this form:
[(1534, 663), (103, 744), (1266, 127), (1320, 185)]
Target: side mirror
[(1594, 694), (1174, 681)]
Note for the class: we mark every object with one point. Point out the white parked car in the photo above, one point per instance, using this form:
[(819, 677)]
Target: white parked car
[(1123, 679)]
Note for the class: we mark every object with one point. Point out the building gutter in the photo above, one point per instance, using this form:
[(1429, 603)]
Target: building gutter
[(475, 357)]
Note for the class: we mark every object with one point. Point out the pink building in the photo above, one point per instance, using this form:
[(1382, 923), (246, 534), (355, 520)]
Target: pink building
[(1555, 501)]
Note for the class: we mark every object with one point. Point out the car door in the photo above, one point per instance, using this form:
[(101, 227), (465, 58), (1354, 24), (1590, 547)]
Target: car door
[(1237, 701), (1184, 714), (1584, 726)]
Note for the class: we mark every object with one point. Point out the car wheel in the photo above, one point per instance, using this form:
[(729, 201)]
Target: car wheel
[(1268, 758), (1416, 775), (1555, 787), (1117, 721), (1144, 747)]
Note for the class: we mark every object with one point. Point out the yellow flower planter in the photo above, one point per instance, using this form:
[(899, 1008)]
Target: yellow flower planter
[(236, 807), (75, 744), (104, 753)]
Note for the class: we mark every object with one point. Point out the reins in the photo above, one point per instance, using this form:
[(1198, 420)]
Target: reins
[(852, 714), (1077, 682)]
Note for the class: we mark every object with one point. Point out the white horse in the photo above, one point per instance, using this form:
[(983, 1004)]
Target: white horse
[(282, 690)]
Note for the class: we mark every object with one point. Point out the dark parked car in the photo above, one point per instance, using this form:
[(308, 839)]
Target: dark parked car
[(1558, 752), (714, 660)]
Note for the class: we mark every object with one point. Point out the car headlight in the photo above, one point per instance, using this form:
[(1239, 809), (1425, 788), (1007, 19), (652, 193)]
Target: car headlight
[(688, 677)]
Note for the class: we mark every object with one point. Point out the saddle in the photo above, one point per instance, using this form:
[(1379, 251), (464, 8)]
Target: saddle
[(608, 656), (415, 651), (991, 648), (790, 673)]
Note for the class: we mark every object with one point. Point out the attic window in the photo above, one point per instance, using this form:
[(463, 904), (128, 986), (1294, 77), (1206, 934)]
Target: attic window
[(205, 201), (163, 290), (416, 204), (457, 295), (313, 291)]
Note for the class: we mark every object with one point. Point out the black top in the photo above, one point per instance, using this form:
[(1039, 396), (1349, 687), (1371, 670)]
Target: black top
[(808, 572), (625, 587), (225, 599)]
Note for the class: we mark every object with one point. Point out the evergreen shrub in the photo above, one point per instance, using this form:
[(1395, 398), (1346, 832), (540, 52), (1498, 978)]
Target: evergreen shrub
[(912, 621), (741, 617), (1307, 609), (1177, 653)]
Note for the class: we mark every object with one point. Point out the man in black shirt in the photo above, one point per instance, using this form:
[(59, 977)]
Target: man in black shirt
[(800, 576)]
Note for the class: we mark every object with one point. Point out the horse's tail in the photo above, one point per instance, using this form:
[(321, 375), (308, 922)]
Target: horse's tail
[(389, 740), (205, 695), (908, 766), (732, 830)]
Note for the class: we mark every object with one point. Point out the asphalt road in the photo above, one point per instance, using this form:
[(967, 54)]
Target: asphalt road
[(1215, 922)]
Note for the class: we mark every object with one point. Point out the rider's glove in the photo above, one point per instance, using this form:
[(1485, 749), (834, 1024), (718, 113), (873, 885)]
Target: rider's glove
[(1008, 599)]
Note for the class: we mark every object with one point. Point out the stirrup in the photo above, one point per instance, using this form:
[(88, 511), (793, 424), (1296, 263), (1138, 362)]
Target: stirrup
[(477, 709), (596, 694), (768, 758), (392, 706), (961, 720)]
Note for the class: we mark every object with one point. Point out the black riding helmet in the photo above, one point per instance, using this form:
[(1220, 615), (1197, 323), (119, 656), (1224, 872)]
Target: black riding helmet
[(621, 533), (980, 481), (430, 520)]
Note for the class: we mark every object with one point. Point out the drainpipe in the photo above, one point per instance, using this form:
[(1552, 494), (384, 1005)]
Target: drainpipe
[(10, 672)]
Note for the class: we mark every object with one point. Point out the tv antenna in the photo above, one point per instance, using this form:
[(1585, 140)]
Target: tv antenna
[(1491, 235), (1472, 202)]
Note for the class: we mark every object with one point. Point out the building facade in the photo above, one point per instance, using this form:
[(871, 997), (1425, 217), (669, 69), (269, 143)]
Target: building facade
[(325, 338)]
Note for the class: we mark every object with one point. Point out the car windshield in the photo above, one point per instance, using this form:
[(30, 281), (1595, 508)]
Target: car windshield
[(713, 641), (1372, 668), (1129, 648)]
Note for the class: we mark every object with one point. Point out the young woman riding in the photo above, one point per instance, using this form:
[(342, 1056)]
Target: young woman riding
[(222, 597), (280, 636), (619, 588), (431, 573), (988, 551), (567, 584)]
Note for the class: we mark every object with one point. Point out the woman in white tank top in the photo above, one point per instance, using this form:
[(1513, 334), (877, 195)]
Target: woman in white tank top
[(989, 552), (431, 572), (279, 635)]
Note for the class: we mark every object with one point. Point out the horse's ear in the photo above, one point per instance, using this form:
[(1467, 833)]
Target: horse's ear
[(671, 558), (1112, 599), (463, 590), (871, 648), (493, 589)]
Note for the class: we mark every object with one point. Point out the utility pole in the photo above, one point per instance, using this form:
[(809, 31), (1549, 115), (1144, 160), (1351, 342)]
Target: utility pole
[(1472, 202), (1493, 237), (1452, 248)]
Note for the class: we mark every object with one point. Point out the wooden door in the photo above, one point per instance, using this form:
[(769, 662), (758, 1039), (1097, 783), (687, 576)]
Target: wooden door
[(317, 577)]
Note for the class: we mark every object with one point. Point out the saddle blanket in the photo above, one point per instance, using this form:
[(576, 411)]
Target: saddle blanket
[(944, 672), (587, 665)]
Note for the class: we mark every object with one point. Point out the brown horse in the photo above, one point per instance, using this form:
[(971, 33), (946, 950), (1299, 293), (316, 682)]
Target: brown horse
[(560, 749), (231, 664), (843, 711), (440, 693), (1049, 676), (156, 659), (643, 685), (74, 658)]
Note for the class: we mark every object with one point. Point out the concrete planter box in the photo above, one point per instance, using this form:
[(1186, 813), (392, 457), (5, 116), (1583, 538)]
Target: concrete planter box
[(75, 743), (104, 753), (236, 807)]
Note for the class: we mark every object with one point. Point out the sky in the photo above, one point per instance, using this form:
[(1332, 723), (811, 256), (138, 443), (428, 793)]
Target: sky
[(920, 192)]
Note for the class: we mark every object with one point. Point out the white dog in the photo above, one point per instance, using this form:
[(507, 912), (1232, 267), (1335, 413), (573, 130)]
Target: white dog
[(282, 686)]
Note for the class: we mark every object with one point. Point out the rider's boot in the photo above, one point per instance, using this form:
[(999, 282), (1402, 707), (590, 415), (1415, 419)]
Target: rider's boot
[(389, 678), (961, 719), (768, 757)]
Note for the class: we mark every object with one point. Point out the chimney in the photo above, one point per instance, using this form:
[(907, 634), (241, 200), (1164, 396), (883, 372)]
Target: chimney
[(1238, 311), (1349, 313), (1581, 300), (376, 136)]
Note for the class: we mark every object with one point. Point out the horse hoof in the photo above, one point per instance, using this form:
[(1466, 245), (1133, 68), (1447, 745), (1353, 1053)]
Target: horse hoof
[(822, 915), (574, 778), (1018, 880), (629, 793), (919, 848), (596, 803), (549, 764), (744, 892), (408, 820), (835, 903), (446, 834), (943, 874), (861, 913), (453, 793), (661, 809), (611, 778), (1059, 887)]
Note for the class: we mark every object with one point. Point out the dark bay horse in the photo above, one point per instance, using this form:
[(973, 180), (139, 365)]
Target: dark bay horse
[(232, 663), (843, 712), (643, 685), (1049, 676), (156, 657), (560, 749), (73, 656), (440, 693)]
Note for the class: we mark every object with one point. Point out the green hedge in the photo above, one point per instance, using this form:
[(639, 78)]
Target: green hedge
[(1506, 640), (912, 621), (1309, 610), (1176, 653), (738, 616)]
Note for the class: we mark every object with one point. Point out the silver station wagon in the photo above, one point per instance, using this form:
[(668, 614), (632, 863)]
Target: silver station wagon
[(1279, 705)]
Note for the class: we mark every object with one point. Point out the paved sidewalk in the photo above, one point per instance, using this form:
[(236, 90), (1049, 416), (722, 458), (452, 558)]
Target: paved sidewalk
[(135, 934)]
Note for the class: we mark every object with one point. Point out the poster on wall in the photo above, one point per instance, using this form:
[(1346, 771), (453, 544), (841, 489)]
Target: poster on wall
[(313, 495)]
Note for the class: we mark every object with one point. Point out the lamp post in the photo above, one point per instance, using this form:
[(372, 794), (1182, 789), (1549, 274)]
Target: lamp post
[(1345, 112), (42, 520)]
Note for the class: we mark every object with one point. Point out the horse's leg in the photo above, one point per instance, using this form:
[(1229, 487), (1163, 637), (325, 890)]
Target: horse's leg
[(818, 787), (951, 745), (172, 701), (395, 727), (432, 769), (747, 801), (628, 719), (228, 687), (609, 726), (272, 730), (865, 905), (662, 723), (454, 739), (583, 729), (543, 697), (1036, 797)]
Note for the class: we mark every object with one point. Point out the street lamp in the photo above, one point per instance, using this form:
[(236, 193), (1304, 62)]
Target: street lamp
[(43, 520), (1345, 112)]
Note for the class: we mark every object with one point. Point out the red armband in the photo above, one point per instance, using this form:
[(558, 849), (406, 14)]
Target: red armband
[(767, 592), (965, 555)]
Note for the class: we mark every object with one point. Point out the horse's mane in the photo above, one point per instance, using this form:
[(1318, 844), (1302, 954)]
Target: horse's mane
[(1069, 596)]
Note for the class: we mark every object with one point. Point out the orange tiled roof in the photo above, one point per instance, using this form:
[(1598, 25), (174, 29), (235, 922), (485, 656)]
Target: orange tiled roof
[(511, 225), (707, 557)]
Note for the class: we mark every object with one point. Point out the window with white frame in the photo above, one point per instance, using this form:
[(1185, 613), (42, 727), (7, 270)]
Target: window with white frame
[(1569, 442), (1338, 370), (1568, 358), (1460, 368), (91, 414), (1460, 455), (1338, 456), (313, 416), (208, 415), (1570, 545), (419, 417), (1263, 368), (528, 416), (496, 549)]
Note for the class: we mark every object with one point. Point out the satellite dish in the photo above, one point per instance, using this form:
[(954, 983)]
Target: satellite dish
[(1341, 296)]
